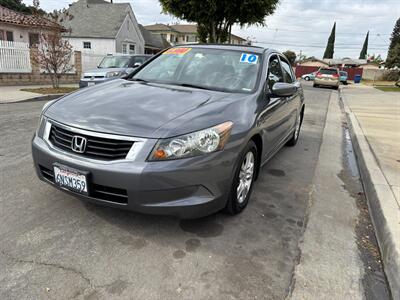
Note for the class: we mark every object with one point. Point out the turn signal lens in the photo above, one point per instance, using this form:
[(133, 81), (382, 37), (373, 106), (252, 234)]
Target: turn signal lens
[(196, 143)]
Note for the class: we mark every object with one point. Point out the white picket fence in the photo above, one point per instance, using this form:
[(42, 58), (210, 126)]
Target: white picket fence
[(14, 57)]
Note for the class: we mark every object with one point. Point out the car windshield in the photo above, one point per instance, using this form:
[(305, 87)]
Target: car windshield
[(213, 69), (114, 62), (343, 73), (328, 71)]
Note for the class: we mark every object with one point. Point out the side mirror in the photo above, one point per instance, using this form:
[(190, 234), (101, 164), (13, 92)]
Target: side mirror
[(137, 64), (283, 89)]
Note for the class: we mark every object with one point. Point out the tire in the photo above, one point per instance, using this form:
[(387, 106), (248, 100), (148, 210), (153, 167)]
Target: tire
[(295, 136), (235, 203), (307, 78), (315, 85)]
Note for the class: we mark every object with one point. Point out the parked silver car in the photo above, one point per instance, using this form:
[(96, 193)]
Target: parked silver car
[(112, 67), (185, 135), (327, 77)]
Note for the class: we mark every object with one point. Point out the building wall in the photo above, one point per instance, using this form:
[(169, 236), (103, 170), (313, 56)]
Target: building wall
[(98, 45), (21, 33), (129, 33)]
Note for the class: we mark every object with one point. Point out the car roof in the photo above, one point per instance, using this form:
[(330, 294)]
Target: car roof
[(254, 49)]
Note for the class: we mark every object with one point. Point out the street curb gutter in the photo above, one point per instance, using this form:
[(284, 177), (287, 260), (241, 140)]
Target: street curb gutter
[(383, 207)]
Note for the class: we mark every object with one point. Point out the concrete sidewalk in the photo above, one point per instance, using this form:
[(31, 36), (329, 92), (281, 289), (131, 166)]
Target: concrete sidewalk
[(10, 94), (374, 118)]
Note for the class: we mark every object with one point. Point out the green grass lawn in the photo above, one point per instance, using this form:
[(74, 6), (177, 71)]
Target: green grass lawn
[(388, 88)]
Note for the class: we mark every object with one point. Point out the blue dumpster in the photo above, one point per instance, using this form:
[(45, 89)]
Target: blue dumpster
[(357, 78)]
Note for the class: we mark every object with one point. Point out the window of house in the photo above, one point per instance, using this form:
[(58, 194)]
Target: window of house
[(128, 48), (9, 36), (87, 45), (2, 35), (131, 49), (33, 39)]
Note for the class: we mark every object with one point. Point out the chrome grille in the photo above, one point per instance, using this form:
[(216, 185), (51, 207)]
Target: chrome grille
[(96, 148)]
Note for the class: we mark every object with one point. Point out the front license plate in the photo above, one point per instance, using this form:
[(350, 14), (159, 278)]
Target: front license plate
[(91, 83), (71, 179)]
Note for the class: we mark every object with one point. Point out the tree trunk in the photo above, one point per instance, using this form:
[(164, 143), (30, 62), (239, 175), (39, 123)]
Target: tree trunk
[(212, 33)]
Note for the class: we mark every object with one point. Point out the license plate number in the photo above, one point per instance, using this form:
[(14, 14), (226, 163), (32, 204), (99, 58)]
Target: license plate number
[(90, 83), (70, 179)]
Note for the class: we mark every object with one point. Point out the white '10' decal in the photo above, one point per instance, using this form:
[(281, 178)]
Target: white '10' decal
[(249, 58)]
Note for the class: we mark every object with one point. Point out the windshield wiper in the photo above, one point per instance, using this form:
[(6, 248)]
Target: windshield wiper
[(202, 87), (193, 86), (139, 79)]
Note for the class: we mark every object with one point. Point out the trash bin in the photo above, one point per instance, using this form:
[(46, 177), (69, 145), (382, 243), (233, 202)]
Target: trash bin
[(357, 78)]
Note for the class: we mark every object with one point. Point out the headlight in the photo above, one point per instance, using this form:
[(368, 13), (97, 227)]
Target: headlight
[(42, 125), (192, 144), (115, 74), (43, 119)]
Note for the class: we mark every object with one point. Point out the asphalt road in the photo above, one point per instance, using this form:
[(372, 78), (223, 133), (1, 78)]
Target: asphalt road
[(56, 246)]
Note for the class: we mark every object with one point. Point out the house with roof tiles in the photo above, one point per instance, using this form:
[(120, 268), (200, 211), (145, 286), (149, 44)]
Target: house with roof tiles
[(18, 27), (103, 27)]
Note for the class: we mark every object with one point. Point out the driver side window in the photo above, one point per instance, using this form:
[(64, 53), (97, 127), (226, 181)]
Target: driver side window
[(274, 72)]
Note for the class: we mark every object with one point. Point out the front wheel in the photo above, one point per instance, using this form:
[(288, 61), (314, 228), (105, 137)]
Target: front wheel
[(243, 180), (307, 78)]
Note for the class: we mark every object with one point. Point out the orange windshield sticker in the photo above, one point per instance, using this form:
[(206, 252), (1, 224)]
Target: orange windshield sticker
[(178, 51)]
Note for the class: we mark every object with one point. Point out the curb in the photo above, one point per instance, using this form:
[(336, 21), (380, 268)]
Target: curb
[(383, 207), (39, 98)]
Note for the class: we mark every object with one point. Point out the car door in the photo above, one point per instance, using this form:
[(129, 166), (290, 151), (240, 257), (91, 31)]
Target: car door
[(273, 113), (293, 102)]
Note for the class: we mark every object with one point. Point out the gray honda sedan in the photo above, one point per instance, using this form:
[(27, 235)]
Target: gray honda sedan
[(184, 135)]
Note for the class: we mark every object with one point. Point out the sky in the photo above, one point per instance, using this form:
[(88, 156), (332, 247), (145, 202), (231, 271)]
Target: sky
[(298, 25)]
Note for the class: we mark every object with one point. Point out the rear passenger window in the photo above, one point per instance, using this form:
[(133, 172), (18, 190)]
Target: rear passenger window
[(274, 72), (287, 71)]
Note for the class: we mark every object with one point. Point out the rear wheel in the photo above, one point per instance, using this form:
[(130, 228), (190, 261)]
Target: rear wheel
[(295, 137), (243, 180), (307, 78)]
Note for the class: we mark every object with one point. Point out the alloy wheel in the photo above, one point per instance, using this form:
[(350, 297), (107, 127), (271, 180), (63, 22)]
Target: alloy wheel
[(246, 175)]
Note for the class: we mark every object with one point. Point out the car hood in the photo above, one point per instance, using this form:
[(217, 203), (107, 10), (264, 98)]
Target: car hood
[(126, 108)]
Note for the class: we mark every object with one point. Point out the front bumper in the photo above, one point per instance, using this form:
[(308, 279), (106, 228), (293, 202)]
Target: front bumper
[(185, 188)]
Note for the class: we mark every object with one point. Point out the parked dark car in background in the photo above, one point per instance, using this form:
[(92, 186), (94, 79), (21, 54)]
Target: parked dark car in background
[(112, 67), (184, 135)]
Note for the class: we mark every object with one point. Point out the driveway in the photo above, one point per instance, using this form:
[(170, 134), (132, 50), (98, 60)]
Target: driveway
[(55, 246)]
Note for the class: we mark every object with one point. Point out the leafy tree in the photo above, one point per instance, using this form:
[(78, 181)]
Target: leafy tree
[(215, 18), (393, 57), (329, 50), (54, 53), (19, 6), (363, 53), (291, 56)]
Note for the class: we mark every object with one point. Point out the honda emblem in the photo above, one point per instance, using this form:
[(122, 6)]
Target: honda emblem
[(78, 144)]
